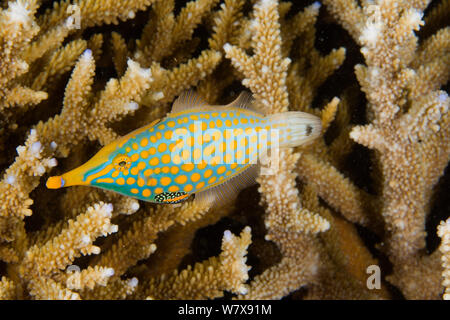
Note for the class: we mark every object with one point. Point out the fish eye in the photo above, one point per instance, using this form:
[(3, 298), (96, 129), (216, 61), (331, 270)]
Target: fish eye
[(122, 162)]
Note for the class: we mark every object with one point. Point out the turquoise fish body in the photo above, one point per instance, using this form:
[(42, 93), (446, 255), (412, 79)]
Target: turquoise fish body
[(194, 149)]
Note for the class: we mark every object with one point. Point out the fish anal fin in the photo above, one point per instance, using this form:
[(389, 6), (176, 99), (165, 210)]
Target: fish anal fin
[(188, 100), (225, 192)]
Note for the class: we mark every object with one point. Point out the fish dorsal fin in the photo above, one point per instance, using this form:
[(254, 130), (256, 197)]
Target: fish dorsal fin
[(244, 101), (228, 191), (188, 100)]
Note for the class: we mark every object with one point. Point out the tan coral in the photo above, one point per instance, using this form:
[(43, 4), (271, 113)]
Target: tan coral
[(444, 233), (404, 132), (17, 27), (210, 278), (305, 234)]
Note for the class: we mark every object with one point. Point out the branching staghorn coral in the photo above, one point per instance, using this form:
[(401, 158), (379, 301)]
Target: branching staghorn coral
[(306, 239), (17, 29), (409, 129), (226, 272), (265, 74), (289, 225), (444, 233), (56, 137)]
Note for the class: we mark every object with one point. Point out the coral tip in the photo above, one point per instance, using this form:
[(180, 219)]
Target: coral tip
[(55, 182)]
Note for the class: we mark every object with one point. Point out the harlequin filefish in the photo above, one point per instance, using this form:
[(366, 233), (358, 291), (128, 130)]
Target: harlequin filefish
[(210, 151)]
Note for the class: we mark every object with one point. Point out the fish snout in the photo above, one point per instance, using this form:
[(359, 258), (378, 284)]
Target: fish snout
[(55, 182)]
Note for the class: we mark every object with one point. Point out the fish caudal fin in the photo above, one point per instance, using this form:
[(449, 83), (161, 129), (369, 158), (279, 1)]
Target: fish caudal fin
[(295, 128)]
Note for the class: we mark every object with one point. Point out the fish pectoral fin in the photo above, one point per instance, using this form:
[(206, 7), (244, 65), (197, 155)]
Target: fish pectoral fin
[(225, 192), (188, 100)]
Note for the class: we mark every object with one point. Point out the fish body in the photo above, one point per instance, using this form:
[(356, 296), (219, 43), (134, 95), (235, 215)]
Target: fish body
[(196, 148)]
